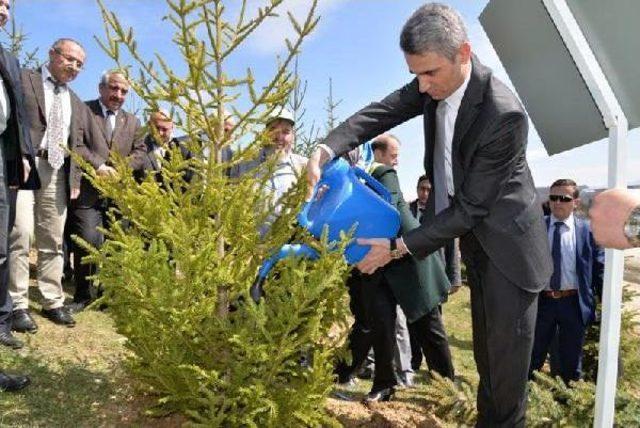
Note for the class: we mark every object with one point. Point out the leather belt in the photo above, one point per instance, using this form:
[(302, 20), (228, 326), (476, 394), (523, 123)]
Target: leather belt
[(559, 294), (42, 153)]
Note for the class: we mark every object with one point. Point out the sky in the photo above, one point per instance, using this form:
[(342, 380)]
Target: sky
[(355, 45)]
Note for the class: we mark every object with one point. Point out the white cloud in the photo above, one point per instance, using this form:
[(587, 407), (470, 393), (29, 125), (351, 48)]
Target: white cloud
[(269, 37)]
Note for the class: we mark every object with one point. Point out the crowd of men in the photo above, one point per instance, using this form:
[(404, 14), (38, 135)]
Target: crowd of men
[(534, 280), (45, 195)]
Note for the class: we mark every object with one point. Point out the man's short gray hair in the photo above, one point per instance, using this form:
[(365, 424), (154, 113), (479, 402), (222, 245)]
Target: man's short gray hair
[(58, 43), (106, 76), (434, 27)]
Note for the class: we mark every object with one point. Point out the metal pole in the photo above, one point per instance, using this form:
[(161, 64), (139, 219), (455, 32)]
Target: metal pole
[(615, 120), (608, 349)]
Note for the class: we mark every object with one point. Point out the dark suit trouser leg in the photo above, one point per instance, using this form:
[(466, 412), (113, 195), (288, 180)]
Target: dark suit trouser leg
[(571, 331), (7, 201), (545, 333), (381, 305), (434, 343), (416, 350), (85, 221), (360, 337), (503, 318)]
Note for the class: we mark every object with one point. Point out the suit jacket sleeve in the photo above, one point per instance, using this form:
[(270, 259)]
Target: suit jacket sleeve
[(138, 148), (398, 107), (597, 267), (500, 152), (90, 133)]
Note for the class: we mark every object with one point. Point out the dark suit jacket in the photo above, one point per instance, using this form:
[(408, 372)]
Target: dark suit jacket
[(37, 118), (126, 140), (17, 139), (495, 198), (419, 285), (589, 269), (151, 165)]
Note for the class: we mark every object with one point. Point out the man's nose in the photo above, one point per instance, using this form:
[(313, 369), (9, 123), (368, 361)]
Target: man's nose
[(423, 84)]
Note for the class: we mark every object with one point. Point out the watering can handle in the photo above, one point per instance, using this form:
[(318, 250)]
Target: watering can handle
[(373, 184), (303, 216)]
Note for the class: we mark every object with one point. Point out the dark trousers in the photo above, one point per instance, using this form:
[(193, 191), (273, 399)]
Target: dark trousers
[(85, 222), (375, 314), (503, 317), (564, 317), (7, 217), (360, 335)]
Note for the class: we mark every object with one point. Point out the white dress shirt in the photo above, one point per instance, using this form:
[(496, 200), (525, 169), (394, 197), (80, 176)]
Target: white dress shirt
[(48, 104), (112, 118), (568, 277), (452, 105), (5, 107)]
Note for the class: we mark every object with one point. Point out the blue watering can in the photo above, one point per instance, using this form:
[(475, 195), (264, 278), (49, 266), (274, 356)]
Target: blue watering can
[(340, 200)]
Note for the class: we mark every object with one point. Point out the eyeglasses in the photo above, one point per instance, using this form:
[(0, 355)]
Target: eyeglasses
[(560, 198), (79, 64)]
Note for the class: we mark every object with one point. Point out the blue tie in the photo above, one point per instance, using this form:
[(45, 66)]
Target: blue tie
[(556, 253)]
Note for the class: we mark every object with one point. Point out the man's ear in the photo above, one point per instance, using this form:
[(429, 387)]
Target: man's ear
[(465, 52)]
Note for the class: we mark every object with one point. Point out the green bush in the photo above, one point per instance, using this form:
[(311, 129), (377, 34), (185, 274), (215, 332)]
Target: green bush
[(179, 258)]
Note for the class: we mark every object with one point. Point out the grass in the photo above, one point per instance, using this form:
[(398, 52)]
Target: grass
[(79, 378)]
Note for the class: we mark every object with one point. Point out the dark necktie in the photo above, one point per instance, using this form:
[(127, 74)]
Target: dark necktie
[(556, 254), (55, 128), (108, 126)]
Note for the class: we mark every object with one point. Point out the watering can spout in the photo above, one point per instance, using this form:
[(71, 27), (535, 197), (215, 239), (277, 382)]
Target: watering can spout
[(288, 250)]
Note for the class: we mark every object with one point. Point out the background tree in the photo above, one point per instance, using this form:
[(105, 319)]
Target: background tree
[(15, 40), (180, 257)]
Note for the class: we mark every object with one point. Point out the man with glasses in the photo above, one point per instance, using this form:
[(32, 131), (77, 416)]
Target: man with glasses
[(56, 117), (116, 131), (567, 305)]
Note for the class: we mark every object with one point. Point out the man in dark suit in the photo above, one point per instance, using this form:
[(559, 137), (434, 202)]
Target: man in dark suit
[(57, 118), (568, 303), (475, 144), (16, 164), (114, 131), (418, 286), (159, 144)]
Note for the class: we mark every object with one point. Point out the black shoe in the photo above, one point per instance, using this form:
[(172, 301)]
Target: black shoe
[(11, 383), (378, 396), (7, 339), (59, 316), (22, 321), (77, 307)]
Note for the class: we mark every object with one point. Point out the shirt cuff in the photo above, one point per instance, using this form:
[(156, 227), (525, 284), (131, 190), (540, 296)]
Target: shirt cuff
[(402, 246), (328, 150)]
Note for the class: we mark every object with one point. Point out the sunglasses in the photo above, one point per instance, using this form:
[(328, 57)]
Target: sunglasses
[(560, 198)]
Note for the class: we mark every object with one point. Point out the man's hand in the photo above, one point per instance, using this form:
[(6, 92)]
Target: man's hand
[(378, 256), (105, 171), (74, 194), (26, 169), (314, 168), (609, 213)]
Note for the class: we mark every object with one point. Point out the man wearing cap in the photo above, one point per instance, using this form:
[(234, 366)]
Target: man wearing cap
[(280, 127)]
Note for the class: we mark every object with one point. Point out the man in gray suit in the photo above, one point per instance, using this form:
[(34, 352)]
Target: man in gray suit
[(475, 143), (114, 131), (56, 118)]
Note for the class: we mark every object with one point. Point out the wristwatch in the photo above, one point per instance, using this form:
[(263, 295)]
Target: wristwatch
[(632, 227), (394, 250)]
